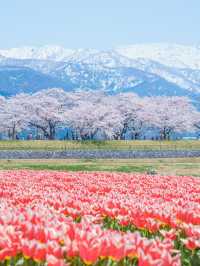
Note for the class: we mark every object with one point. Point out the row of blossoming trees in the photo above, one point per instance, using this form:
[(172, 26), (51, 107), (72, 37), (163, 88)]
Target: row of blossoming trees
[(88, 114)]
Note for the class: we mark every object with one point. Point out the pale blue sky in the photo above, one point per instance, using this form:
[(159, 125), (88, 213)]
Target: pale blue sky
[(98, 24)]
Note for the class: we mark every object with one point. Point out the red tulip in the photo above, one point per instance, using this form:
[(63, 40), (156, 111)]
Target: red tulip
[(53, 261), (40, 253), (191, 243)]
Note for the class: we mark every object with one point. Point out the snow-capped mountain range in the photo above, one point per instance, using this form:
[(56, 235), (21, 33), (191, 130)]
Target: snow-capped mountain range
[(147, 69)]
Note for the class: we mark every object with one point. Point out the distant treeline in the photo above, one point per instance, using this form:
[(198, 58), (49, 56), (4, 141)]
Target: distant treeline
[(87, 115)]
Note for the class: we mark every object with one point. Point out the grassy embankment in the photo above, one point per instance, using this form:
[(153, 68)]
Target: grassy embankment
[(179, 166), (103, 145)]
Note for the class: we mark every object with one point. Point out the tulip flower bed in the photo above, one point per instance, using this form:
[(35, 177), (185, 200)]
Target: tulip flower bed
[(57, 219)]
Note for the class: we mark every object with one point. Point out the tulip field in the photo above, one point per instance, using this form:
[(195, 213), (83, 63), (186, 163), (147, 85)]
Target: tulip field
[(98, 218)]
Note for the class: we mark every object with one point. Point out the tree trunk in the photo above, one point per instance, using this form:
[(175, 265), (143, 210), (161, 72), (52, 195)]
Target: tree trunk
[(52, 133), (13, 133), (165, 134), (117, 136), (124, 131)]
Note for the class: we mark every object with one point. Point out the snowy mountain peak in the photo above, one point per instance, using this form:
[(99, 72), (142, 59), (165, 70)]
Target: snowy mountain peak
[(97, 58), (148, 68), (49, 52), (173, 55), (81, 55)]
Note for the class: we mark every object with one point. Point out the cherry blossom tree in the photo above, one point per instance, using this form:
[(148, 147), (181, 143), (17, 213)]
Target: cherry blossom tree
[(13, 115), (98, 116), (90, 113), (45, 113), (171, 114), (133, 113), (2, 108)]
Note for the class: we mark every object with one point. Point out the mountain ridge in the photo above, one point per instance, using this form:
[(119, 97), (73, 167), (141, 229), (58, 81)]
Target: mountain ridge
[(116, 70)]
